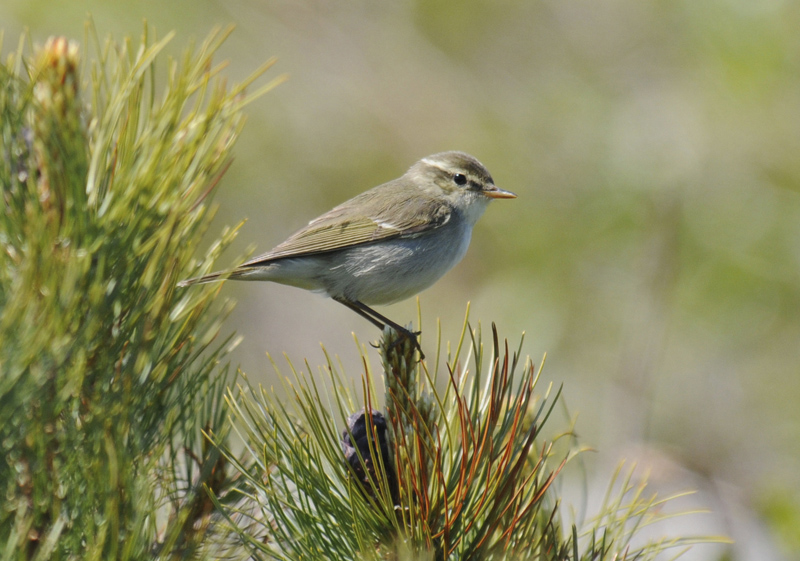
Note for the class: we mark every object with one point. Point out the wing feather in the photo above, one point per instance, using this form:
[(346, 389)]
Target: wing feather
[(411, 213)]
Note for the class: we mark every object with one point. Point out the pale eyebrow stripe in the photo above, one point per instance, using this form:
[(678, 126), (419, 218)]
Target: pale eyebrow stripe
[(435, 164)]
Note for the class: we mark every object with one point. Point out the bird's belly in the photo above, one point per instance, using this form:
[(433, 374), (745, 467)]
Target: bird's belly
[(393, 270)]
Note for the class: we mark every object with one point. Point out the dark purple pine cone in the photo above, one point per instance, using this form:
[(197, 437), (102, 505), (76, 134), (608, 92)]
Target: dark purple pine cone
[(359, 439)]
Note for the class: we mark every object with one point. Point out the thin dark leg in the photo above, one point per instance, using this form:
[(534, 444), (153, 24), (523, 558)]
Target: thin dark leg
[(364, 314), (369, 312), (380, 321)]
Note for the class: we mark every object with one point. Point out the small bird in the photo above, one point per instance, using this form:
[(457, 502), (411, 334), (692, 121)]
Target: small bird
[(386, 244)]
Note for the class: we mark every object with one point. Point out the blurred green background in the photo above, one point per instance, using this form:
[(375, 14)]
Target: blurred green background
[(654, 249)]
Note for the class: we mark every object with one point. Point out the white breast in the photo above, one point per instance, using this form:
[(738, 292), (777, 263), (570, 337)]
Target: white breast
[(397, 269)]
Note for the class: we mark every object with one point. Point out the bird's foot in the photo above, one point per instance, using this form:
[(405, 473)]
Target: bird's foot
[(405, 335)]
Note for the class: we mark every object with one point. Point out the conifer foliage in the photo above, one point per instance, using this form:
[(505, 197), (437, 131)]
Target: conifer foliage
[(107, 373)]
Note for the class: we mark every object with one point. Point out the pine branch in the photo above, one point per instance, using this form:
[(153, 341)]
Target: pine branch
[(108, 373), (459, 467)]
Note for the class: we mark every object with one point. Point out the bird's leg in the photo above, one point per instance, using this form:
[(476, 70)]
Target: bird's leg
[(381, 321), (364, 314)]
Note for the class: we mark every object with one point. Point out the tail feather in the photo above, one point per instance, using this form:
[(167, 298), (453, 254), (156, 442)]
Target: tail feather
[(211, 277)]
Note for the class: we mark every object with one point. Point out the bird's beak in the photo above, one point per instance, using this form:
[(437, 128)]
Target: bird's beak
[(496, 193)]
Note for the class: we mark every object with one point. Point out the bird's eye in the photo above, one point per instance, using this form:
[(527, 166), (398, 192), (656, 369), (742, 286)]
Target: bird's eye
[(460, 179)]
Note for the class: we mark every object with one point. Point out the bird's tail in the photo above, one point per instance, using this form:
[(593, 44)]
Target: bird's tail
[(211, 277)]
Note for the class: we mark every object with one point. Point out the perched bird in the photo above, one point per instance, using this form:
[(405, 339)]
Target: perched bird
[(358, 439), (386, 244)]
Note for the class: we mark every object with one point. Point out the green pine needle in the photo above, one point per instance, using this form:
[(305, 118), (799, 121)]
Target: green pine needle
[(469, 450), (108, 373)]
